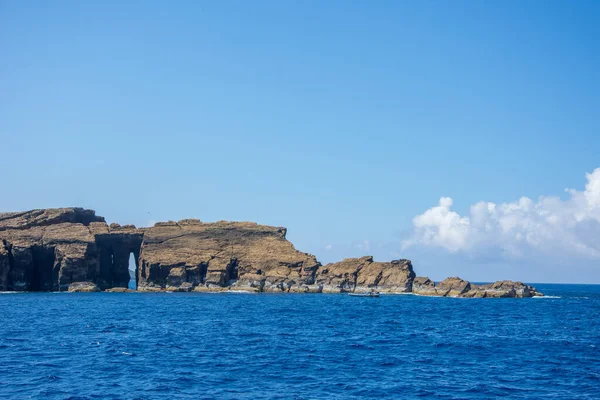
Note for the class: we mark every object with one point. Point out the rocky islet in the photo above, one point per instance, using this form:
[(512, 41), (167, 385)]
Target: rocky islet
[(73, 249)]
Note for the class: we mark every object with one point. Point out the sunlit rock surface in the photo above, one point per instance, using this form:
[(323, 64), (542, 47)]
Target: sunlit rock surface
[(188, 255), (74, 249), (363, 274)]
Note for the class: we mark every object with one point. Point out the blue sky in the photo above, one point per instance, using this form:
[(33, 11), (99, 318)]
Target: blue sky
[(342, 121)]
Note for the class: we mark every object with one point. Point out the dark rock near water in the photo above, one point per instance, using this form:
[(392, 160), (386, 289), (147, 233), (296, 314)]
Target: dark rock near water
[(115, 244), (83, 287), (47, 250), (74, 249), (119, 290)]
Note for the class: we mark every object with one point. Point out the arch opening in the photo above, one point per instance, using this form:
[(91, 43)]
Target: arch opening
[(133, 271)]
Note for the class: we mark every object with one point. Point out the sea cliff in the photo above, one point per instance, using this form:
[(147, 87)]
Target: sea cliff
[(73, 249)]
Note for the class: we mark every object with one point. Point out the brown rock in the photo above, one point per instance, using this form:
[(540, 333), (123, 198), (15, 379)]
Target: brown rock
[(151, 289), (119, 290), (452, 287), (363, 274), (220, 254), (212, 289), (84, 287), (73, 249), (502, 289), (424, 286), (50, 249), (341, 276), (234, 289), (45, 217)]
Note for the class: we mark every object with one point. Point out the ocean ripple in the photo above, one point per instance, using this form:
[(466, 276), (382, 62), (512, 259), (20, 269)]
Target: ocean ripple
[(195, 345)]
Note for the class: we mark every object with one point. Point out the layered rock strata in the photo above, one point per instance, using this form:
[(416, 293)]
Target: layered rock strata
[(74, 249), (191, 255), (48, 250), (363, 275), (456, 287)]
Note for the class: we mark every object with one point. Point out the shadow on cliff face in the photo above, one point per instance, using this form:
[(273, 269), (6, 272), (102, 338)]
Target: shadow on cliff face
[(115, 253), (43, 273), (73, 249), (33, 269)]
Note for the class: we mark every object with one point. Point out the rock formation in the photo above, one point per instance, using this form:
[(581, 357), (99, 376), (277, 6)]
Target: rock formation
[(47, 250), (74, 249), (424, 286), (191, 255), (115, 244), (502, 289), (363, 275), (456, 287), (452, 287), (84, 287)]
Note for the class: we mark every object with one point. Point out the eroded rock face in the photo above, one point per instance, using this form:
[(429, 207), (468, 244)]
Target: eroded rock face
[(4, 264), (73, 249), (191, 255), (83, 287), (502, 289), (453, 287), (457, 287), (363, 274), (115, 244), (424, 286), (47, 250)]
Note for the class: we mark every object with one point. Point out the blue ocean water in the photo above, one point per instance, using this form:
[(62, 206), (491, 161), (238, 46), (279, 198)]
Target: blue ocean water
[(190, 346)]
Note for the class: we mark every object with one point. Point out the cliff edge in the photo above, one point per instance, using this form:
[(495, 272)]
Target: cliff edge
[(73, 249)]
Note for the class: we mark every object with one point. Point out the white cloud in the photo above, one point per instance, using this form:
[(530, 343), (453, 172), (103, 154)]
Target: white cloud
[(329, 247), (523, 228)]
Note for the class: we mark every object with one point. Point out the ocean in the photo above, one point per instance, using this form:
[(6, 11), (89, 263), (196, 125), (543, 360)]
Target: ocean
[(293, 346)]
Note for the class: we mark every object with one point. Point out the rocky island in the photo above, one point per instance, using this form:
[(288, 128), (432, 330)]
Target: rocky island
[(73, 249)]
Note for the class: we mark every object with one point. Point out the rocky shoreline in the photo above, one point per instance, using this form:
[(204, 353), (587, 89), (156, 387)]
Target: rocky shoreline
[(73, 249)]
